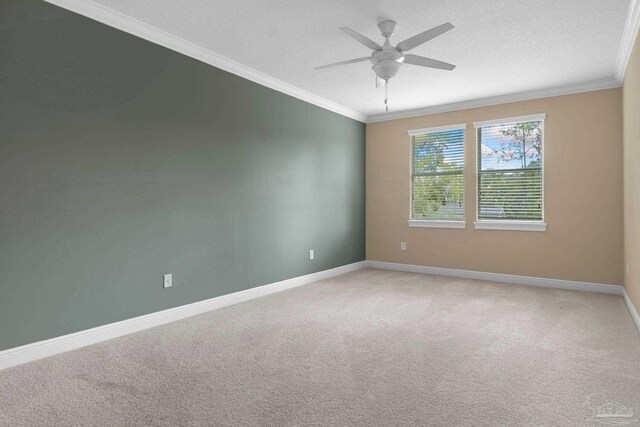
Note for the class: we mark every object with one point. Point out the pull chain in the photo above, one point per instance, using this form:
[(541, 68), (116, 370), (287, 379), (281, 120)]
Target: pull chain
[(386, 95)]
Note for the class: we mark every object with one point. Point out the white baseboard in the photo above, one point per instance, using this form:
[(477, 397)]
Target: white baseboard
[(499, 277), (632, 310), (38, 350), (512, 278)]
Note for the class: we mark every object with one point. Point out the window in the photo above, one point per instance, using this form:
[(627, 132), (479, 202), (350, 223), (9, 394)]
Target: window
[(437, 181), (510, 174)]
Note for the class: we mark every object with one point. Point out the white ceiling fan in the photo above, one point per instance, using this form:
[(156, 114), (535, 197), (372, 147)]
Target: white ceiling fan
[(387, 60)]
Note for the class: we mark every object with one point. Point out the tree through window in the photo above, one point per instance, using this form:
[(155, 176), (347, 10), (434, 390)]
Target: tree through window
[(510, 173), (437, 181)]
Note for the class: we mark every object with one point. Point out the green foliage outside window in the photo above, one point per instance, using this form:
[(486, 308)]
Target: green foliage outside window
[(438, 165)]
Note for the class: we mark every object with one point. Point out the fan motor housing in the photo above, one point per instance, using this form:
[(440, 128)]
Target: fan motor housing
[(386, 54)]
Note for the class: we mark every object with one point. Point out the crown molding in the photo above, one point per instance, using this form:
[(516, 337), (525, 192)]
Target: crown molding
[(628, 39), (496, 100), (120, 21)]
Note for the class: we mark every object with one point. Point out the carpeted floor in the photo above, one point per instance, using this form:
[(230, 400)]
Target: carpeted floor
[(371, 347)]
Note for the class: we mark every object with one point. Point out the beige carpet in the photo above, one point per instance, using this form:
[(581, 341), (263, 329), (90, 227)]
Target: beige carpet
[(371, 347)]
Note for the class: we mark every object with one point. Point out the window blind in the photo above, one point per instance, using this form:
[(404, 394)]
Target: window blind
[(437, 169), (510, 177)]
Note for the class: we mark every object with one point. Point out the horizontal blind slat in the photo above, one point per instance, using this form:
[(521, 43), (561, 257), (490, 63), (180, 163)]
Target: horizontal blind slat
[(437, 175)]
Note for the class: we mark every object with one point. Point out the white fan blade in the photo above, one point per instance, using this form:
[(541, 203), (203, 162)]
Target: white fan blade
[(362, 39), (427, 62), (351, 61), (424, 37)]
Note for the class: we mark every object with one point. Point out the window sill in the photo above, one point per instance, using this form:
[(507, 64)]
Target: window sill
[(511, 225), (436, 224)]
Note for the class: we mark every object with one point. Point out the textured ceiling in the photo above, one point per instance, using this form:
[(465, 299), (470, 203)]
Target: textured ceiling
[(500, 47)]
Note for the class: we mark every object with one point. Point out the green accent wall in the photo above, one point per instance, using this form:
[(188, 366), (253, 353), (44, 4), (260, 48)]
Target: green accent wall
[(121, 160)]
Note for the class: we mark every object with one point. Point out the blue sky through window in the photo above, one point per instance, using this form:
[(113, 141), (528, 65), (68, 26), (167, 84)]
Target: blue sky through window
[(496, 152)]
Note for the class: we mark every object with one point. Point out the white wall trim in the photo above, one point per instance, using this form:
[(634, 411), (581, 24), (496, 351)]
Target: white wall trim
[(153, 34), (130, 25), (497, 100), (115, 19), (41, 349), (510, 120), (38, 350), (500, 277), (414, 132), (632, 310), (420, 223), (510, 225), (628, 39)]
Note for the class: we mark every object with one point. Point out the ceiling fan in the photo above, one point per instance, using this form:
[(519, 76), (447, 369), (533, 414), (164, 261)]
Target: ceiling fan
[(387, 60)]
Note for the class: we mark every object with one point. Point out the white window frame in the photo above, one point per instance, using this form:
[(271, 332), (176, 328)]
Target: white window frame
[(434, 223), (512, 225)]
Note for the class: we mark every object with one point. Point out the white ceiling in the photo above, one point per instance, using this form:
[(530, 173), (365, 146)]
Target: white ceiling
[(500, 47)]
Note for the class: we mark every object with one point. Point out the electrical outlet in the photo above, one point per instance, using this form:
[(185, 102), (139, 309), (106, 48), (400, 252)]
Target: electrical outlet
[(311, 254), (168, 280), (403, 246)]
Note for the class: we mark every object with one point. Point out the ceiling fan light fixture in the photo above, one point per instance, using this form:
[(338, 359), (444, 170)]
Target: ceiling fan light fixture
[(386, 68)]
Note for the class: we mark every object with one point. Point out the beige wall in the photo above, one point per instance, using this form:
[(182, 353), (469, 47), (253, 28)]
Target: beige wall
[(583, 195), (631, 97)]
